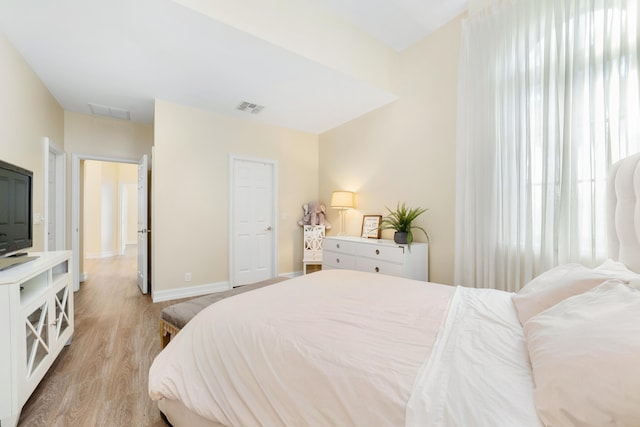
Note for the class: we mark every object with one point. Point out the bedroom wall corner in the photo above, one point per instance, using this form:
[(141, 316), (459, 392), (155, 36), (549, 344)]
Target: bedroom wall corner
[(405, 151)]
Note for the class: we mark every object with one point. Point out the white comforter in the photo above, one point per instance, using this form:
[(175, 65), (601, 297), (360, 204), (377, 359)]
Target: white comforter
[(343, 348), (479, 372), (332, 348)]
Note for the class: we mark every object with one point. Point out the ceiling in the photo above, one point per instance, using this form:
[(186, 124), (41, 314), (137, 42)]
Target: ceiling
[(312, 64)]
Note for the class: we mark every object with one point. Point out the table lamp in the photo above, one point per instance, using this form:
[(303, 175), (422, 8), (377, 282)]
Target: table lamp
[(342, 200)]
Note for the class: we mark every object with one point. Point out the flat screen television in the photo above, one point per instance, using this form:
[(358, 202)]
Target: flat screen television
[(16, 210)]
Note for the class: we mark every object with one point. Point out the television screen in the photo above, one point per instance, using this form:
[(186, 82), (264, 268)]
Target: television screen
[(16, 215)]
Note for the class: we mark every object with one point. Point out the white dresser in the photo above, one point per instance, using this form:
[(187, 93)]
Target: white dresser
[(377, 256), (36, 321)]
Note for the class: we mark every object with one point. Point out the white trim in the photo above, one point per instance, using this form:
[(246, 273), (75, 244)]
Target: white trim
[(274, 203), (75, 220), (61, 195), (151, 257), (75, 206), (191, 291)]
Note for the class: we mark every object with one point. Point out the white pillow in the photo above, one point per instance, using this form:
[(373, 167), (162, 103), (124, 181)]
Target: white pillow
[(585, 356), (618, 270), (553, 286)]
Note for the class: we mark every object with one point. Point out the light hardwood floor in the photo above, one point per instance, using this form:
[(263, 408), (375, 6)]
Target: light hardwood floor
[(101, 378)]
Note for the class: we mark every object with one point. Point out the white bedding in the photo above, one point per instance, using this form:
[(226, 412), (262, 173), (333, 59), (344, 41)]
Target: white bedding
[(479, 372), (333, 348), (344, 348)]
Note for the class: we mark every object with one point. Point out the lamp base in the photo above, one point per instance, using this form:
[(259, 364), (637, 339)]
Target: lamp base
[(342, 232)]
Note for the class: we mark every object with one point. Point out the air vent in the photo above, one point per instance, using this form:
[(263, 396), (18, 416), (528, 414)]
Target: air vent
[(115, 113), (249, 107)]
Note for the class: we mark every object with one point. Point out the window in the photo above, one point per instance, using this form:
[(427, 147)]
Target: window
[(548, 100)]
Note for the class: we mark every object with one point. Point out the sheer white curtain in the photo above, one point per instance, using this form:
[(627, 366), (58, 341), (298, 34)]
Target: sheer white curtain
[(548, 99)]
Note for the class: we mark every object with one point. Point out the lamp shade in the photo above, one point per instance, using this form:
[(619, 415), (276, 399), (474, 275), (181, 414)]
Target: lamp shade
[(342, 199)]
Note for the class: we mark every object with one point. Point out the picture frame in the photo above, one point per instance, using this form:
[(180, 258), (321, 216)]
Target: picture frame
[(371, 226)]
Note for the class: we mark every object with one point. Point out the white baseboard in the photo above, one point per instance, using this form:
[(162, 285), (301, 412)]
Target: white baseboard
[(191, 291)]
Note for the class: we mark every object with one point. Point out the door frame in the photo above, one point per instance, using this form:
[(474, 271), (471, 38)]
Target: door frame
[(274, 212), (76, 158), (51, 148)]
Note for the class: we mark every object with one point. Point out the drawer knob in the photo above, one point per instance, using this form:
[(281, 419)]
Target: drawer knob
[(377, 270), (338, 245), (377, 251), (338, 260)]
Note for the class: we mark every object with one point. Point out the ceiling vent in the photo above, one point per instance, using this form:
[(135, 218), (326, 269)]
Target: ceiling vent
[(115, 113), (249, 107)]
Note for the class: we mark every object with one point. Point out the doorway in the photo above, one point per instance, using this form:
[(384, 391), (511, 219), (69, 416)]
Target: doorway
[(253, 230), (107, 215), (104, 218)]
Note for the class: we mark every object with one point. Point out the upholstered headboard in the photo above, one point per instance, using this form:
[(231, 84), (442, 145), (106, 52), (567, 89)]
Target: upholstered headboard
[(624, 212)]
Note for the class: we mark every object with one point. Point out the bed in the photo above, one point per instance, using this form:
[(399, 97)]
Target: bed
[(345, 348)]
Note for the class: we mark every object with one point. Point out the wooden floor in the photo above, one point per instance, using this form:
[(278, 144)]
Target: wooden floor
[(101, 378)]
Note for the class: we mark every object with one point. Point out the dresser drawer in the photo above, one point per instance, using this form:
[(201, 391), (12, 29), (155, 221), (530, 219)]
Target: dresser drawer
[(377, 266), (338, 260), (341, 246), (381, 252), (376, 256)]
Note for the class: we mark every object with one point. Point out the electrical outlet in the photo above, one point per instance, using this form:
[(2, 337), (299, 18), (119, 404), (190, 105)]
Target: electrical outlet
[(187, 277)]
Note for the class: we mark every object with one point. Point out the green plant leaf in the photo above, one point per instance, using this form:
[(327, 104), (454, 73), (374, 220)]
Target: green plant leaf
[(401, 219)]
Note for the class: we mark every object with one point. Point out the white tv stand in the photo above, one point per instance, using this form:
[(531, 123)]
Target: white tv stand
[(36, 320)]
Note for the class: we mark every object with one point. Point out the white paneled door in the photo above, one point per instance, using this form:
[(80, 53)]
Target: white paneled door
[(252, 220), (143, 229)]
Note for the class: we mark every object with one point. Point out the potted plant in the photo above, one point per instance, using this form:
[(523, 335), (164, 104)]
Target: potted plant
[(401, 220)]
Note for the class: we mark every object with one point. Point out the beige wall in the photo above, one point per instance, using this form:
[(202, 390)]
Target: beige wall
[(131, 194), (402, 152), (102, 137), (28, 112), (105, 137), (128, 177), (103, 182), (92, 208), (190, 190), (405, 152)]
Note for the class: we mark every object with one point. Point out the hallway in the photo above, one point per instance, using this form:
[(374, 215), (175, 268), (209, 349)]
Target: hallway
[(101, 378)]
